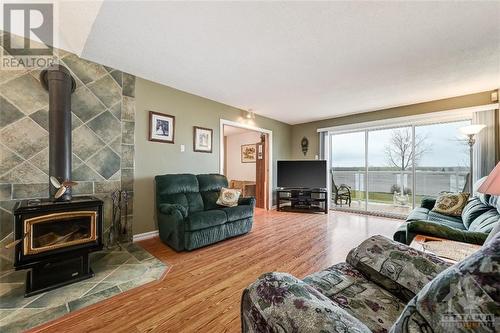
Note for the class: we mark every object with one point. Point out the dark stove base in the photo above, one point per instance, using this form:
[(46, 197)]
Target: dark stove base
[(51, 275), (29, 292)]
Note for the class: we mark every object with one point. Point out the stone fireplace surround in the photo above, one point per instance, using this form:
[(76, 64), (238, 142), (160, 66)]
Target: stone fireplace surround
[(103, 121)]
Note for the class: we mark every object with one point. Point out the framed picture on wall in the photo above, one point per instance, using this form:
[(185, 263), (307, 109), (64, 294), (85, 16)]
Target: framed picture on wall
[(202, 139), (248, 153), (161, 127)]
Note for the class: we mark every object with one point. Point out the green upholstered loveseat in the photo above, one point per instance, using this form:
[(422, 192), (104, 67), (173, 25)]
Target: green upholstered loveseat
[(479, 217), (384, 286), (188, 216)]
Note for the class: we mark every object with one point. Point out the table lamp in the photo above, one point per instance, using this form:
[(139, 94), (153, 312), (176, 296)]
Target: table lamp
[(492, 184)]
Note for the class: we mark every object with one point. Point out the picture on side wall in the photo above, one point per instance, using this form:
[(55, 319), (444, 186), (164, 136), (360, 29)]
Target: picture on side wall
[(248, 153), (161, 127), (202, 139)]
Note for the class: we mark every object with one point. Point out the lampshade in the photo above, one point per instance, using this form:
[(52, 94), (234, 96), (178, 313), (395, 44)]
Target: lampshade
[(492, 184), (472, 129)]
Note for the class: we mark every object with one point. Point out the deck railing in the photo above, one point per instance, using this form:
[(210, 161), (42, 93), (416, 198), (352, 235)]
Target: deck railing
[(428, 183)]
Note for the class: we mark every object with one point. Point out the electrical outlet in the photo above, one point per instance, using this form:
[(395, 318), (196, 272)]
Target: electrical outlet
[(183, 148)]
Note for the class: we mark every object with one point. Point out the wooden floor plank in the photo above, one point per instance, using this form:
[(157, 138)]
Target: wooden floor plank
[(202, 290)]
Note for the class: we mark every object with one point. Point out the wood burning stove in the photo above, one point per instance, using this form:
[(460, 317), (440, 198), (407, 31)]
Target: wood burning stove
[(53, 237), (57, 238)]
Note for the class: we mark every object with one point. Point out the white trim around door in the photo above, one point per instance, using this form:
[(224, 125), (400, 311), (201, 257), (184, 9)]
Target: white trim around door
[(420, 119), (253, 128)]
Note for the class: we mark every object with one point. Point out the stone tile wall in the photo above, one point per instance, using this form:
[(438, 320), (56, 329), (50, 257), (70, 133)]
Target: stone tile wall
[(103, 110)]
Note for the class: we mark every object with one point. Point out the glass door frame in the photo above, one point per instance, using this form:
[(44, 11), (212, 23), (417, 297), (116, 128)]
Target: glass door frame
[(367, 129)]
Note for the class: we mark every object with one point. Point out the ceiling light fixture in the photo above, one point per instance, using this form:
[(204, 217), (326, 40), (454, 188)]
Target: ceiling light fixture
[(250, 114)]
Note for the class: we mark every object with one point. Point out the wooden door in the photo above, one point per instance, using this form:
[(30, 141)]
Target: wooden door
[(261, 169)]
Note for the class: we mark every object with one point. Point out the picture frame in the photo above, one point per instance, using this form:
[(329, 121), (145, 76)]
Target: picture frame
[(202, 139), (161, 127), (249, 153)]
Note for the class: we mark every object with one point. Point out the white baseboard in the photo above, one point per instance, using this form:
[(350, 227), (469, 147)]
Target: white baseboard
[(146, 235)]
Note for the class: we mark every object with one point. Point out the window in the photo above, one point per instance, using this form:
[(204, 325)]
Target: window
[(390, 170)]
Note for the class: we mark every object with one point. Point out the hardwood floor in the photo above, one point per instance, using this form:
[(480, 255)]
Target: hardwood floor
[(202, 290)]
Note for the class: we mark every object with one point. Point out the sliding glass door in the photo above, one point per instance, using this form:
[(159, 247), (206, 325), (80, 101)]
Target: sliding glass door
[(389, 170), (441, 160), (390, 163), (348, 168)]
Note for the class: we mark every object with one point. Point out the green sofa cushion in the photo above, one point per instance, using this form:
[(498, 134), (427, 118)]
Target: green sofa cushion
[(210, 185), (474, 208), (210, 199), (205, 219), (438, 217), (195, 202), (494, 201), (486, 222), (421, 214), (440, 230), (166, 208), (176, 183), (175, 198), (238, 212), (428, 203), (211, 182)]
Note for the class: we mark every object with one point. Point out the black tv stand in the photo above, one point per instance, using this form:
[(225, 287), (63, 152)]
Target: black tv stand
[(302, 200)]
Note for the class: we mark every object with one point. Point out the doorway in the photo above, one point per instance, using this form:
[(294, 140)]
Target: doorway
[(245, 156)]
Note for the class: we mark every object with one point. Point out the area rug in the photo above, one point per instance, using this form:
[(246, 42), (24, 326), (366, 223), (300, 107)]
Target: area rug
[(116, 270)]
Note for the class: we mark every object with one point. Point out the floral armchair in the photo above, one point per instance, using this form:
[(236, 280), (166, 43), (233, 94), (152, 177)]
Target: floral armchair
[(383, 287)]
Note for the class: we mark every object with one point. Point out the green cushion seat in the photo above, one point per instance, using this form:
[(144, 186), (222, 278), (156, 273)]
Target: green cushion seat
[(205, 219), (238, 212)]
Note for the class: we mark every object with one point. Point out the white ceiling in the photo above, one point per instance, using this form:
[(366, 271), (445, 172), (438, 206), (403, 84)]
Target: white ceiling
[(303, 61)]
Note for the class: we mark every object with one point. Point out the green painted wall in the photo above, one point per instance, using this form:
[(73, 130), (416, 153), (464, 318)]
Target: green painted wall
[(153, 158), (309, 129)]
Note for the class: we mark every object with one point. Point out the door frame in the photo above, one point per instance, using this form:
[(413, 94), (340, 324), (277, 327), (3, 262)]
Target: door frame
[(269, 156)]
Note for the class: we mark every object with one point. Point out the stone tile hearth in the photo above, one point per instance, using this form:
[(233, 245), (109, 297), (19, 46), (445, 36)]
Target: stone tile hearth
[(116, 270)]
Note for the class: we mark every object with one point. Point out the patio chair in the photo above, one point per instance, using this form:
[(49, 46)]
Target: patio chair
[(341, 193)]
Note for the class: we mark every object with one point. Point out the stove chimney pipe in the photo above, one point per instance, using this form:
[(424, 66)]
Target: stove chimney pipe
[(58, 81)]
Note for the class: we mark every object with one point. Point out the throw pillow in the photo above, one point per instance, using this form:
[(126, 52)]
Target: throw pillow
[(228, 197), (451, 204), (399, 268)]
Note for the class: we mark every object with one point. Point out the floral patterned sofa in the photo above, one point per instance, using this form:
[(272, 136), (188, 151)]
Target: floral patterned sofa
[(384, 286)]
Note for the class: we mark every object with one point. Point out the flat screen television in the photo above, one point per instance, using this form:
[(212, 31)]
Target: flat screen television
[(302, 174)]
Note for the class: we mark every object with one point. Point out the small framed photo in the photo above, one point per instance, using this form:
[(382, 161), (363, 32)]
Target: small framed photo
[(248, 153), (202, 139), (161, 127)]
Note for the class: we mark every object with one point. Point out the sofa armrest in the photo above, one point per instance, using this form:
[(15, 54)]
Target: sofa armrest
[(250, 201), (428, 203), (169, 209), (429, 228), (171, 225), (279, 302), (398, 268)]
